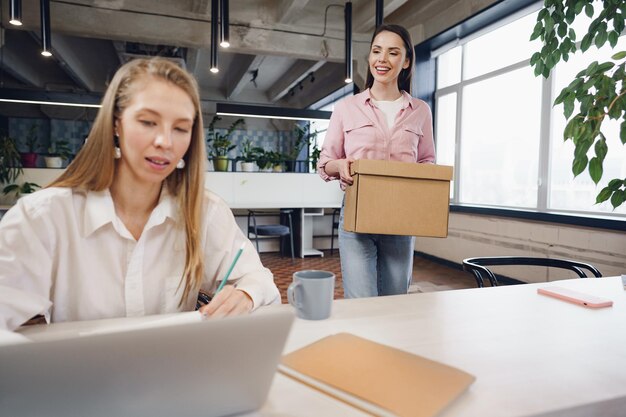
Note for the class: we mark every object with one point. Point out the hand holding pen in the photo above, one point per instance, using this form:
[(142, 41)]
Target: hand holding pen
[(228, 301)]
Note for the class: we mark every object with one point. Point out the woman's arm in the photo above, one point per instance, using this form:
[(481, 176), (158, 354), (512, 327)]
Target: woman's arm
[(251, 285), (25, 265)]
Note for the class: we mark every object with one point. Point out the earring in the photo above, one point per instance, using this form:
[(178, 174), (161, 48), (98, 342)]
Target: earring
[(117, 152), (180, 164)]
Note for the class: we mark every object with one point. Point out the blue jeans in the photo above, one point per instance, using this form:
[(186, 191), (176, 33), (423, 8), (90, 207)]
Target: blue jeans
[(373, 264)]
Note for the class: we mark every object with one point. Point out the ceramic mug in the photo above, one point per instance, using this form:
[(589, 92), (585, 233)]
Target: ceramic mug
[(312, 293)]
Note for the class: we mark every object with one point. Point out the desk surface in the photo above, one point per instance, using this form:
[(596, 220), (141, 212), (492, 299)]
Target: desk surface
[(532, 355)]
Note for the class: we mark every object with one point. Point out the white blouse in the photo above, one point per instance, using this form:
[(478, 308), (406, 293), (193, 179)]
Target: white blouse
[(65, 254)]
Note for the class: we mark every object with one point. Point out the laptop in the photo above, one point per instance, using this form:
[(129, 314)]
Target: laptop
[(205, 368)]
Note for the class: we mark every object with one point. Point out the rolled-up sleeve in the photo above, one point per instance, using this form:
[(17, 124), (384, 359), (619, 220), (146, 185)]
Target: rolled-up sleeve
[(223, 238), (333, 147), (25, 266), (426, 147)]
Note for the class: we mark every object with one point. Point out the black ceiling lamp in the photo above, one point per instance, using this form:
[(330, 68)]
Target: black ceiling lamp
[(214, 34), (15, 12), (224, 38), (347, 13), (46, 44), (380, 4)]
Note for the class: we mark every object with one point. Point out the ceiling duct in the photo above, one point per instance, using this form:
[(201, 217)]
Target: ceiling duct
[(128, 51)]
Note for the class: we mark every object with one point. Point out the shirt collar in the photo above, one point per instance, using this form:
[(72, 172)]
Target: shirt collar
[(366, 98), (99, 210)]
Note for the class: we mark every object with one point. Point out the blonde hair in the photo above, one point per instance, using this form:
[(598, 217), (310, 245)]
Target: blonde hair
[(94, 166)]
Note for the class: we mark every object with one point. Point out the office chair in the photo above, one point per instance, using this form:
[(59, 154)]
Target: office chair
[(335, 226), (276, 230), (477, 266)]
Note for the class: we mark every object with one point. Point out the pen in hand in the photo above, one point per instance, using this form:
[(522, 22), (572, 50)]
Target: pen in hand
[(230, 269)]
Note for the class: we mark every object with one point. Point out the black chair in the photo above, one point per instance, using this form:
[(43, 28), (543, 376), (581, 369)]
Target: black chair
[(336, 213), (478, 266), (276, 230)]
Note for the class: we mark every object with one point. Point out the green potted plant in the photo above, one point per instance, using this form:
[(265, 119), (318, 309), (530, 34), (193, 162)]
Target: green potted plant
[(276, 160), (18, 190), (58, 152), (29, 158), (10, 163), (263, 161), (597, 93), (315, 156), (221, 144), (303, 138), (248, 156)]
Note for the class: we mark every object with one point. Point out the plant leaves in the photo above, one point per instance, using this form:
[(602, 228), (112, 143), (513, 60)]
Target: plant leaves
[(579, 164), (589, 10), (595, 170), (613, 37), (618, 198), (603, 195), (615, 184), (619, 55), (601, 149), (622, 132)]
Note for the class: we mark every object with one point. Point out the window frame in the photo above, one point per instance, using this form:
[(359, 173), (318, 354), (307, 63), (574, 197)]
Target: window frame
[(425, 87)]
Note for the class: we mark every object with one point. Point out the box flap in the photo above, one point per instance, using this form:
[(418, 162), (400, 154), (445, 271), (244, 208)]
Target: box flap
[(401, 169)]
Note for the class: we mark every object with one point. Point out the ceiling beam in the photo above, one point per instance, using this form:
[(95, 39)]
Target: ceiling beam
[(301, 69), (193, 32), (238, 79), (288, 10)]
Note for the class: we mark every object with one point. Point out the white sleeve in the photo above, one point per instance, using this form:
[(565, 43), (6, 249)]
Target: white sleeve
[(25, 266), (223, 238)]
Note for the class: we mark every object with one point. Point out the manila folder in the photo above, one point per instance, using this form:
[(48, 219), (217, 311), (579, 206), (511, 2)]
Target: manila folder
[(376, 378)]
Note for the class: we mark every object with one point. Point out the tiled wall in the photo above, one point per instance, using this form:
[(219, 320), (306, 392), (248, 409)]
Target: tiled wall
[(75, 132)]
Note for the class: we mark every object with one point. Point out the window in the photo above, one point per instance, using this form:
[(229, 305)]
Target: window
[(494, 122)]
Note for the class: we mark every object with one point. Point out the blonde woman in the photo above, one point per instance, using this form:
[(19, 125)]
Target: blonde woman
[(128, 229)]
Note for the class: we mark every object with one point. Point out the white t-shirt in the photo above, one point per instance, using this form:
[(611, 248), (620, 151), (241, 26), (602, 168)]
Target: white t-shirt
[(67, 255), (390, 109)]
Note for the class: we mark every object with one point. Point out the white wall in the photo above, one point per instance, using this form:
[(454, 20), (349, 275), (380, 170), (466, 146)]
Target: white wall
[(479, 235)]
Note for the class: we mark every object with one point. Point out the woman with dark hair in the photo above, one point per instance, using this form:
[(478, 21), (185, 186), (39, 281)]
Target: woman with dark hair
[(383, 122), (129, 229)]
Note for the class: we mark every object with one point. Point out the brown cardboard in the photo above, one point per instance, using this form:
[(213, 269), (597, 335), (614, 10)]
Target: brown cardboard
[(398, 198)]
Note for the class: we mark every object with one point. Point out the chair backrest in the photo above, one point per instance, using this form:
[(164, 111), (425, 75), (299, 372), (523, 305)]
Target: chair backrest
[(478, 266)]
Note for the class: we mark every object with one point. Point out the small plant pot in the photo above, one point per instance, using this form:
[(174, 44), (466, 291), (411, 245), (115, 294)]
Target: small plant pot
[(220, 163), (277, 168), (29, 159), (247, 166), (53, 161)]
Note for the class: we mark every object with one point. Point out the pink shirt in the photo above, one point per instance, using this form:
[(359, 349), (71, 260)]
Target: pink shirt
[(358, 130)]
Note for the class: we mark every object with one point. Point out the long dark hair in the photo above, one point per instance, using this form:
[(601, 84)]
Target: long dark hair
[(404, 79)]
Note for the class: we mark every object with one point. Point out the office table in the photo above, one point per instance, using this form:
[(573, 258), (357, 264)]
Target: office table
[(532, 355)]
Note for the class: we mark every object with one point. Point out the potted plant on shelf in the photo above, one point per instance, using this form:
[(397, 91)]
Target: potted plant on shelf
[(303, 138), (221, 144), (248, 156), (29, 158), (18, 190), (10, 162), (263, 161), (315, 156), (58, 152)]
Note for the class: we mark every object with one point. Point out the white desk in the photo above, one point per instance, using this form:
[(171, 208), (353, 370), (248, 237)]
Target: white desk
[(532, 355)]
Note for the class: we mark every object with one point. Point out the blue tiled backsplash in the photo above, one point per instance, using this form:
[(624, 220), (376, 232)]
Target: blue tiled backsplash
[(75, 132)]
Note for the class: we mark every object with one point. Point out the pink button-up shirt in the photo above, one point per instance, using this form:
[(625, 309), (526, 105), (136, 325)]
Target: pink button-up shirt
[(358, 130)]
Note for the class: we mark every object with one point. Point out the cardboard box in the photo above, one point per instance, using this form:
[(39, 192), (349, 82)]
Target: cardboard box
[(398, 198)]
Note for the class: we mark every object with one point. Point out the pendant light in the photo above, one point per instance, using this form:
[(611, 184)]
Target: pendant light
[(380, 4), (224, 38), (15, 12), (347, 13), (46, 46), (214, 34)]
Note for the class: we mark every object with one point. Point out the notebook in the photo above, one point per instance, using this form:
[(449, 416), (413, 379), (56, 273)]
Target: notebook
[(376, 378), (207, 368)]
